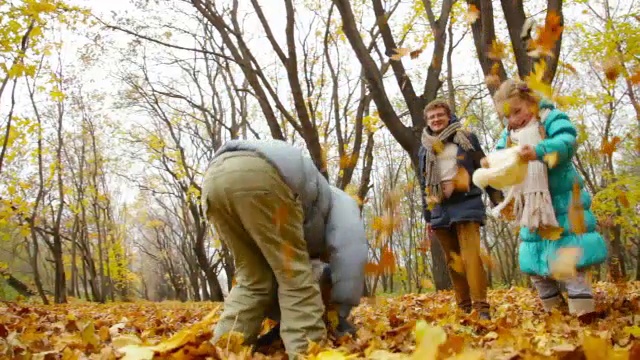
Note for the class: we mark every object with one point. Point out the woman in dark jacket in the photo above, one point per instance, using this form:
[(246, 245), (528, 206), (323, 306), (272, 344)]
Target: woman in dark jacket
[(453, 206)]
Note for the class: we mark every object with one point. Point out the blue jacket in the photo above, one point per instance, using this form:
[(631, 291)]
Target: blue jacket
[(461, 206), (536, 253)]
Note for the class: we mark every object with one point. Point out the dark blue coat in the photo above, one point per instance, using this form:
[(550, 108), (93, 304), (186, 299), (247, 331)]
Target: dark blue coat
[(461, 206)]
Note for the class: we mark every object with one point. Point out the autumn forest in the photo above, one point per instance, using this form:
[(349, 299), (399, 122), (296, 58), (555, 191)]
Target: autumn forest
[(111, 111)]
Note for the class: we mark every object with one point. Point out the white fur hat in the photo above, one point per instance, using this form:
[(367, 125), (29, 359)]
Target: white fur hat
[(505, 169)]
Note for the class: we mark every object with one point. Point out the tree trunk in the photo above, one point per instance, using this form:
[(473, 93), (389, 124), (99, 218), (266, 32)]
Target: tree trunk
[(60, 294)]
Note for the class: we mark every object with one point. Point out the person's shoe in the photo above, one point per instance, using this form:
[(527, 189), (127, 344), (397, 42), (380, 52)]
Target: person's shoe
[(344, 328), (269, 337)]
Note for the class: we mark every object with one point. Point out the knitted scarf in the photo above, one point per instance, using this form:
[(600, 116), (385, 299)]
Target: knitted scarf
[(433, 145), (532, 206)]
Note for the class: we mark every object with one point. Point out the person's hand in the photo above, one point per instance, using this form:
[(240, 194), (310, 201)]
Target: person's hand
[(528, 153)]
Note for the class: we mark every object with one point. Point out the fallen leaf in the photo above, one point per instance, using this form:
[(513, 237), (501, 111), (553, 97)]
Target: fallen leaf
[(121, 341)]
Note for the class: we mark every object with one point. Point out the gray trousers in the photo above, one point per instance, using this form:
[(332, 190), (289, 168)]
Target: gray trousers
[(578, 289)]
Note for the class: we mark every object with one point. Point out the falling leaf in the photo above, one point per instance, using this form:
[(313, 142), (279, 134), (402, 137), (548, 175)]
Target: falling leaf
[(568, 67), (563, 267), (332, 316), (437, 146), (371, 268), (492, 81), (486, 259), (415, 53), (611, 67), (387, 260), (456, 263), (535, 80), (472, 14), (432, 201), (544, 43), (427, 284), (428, 340), (609, 147), (550, 232), (497, 50), (635, 77), (576, 211), (551, 159), (399, 53), (462, 180), (622, 198)]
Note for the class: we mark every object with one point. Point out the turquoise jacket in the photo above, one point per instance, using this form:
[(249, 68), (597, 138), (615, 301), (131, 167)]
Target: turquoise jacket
[(535, 252)]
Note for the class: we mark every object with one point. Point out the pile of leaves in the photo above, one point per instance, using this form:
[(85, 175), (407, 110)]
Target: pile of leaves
[(416, 326)]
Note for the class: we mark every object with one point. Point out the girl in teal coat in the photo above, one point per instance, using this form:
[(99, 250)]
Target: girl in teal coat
[(556, 219)]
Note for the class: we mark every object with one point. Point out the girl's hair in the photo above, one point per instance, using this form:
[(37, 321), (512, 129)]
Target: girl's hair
[(511, 89)]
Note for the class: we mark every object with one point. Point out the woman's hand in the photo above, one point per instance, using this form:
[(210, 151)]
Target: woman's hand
[(528, 153)]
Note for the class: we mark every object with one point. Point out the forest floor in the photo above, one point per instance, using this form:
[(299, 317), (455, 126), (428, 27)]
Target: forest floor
[(387, 330)]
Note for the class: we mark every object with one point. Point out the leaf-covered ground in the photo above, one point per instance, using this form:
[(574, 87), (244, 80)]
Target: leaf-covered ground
[(172, 330)]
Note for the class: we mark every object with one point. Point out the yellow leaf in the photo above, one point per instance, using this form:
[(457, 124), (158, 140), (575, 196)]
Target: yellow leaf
[(88, 334), (563, 267), (456, 263), (535, 80), (611, 67), (496, 52), (438, 146), (550, 232), (472, 14), (551, 159), (121, 341), (427, 284), (399, 53), (428, 339), (138, 352), (331, 354), (576, 211)]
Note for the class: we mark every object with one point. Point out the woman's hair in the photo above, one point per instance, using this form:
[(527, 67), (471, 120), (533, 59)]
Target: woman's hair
[(511, 89)]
